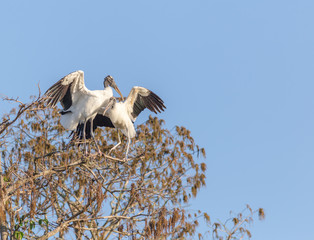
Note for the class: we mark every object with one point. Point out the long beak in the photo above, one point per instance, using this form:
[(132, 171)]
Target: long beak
[(118, 91)]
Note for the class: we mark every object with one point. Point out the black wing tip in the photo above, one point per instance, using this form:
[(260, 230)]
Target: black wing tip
[(158, 102), (59, 93), (151, 101)]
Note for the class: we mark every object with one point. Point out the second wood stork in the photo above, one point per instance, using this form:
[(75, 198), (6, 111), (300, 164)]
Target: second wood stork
[(79, 103), (121, 115)]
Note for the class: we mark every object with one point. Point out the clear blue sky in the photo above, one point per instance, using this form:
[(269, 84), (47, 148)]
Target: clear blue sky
[(238, 73)]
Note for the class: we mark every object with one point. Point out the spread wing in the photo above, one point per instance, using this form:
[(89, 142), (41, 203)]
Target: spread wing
[(99, 121), (67, 90), (140, 98)]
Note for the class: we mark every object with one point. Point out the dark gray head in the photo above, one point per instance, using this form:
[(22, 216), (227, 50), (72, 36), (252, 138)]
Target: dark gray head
[(111, 104), (109, 82), (112, 101)]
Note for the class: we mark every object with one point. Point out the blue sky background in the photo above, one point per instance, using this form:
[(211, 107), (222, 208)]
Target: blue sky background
[(237, 73)]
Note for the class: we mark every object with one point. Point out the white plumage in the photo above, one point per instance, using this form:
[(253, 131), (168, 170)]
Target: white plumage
[(123, 114), (79, 103)]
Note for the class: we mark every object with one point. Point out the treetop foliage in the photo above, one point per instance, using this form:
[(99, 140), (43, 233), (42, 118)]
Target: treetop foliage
[(50, 187)]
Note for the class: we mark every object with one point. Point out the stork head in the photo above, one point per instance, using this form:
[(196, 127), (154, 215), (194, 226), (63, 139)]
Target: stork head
[(109, 82), (110, 105)]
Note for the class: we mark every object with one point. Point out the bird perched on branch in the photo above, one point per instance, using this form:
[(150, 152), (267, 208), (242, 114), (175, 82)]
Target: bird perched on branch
[(122, 115), (79, 103)]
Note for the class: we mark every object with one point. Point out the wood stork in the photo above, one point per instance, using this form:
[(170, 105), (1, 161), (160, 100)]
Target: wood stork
[(79, 104), (122, 115)]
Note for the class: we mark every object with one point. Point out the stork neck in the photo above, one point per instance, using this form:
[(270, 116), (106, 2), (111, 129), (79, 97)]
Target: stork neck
[(108, 89)]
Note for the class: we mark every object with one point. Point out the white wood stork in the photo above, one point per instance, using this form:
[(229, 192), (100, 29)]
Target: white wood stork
[(122, 115), (79, 104)]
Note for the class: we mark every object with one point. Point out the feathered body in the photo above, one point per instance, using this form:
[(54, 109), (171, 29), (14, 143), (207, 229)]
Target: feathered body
[(121, 120), (87, 106), (122, 115), (79, 103)]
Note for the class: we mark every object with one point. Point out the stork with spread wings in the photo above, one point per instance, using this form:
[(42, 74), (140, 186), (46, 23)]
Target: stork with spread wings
[(121, 115)]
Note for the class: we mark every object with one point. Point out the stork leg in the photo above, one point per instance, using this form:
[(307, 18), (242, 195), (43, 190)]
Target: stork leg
[(93, 137), (84, 137), (116, 144), (127, 149)]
